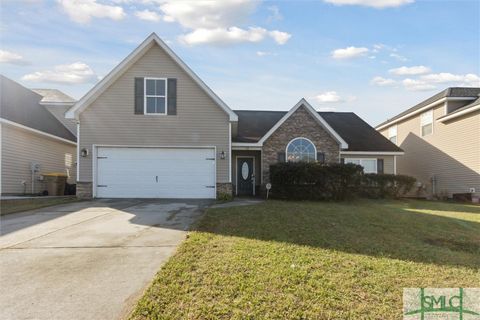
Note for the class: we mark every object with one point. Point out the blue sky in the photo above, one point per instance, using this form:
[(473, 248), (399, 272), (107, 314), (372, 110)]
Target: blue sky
[(372, 57)]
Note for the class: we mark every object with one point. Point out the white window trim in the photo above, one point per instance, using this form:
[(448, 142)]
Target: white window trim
[(154, 96), (363, 159), (422, 125), (314, 147)]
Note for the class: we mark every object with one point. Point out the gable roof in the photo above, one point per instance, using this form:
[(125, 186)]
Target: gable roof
[(454, 93), (359, 135), (54, 96), (315, 115), (474, 106), (21, 106), (151, 40)]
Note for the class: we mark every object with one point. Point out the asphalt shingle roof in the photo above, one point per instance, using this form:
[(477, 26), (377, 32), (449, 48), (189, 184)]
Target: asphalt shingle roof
[(449, 92), (360, 136), (21, 105)]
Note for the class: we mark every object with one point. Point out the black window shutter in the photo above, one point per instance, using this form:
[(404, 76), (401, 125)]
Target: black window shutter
[(281, 157), (342, 160), (321, 157), (172, 96), (139, 96), (379, 165)]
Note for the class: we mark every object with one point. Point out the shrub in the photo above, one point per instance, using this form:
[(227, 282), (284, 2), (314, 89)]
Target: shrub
[(386, 185), (316, 181)]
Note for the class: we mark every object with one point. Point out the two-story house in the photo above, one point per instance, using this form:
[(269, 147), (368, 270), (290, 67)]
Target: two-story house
[(152, 128), (441, 140)]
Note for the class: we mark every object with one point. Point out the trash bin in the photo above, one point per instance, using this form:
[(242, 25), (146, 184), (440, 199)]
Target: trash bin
[(55, 183)]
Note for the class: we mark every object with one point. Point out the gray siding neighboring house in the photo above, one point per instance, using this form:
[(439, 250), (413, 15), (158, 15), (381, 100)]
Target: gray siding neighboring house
[(152, 128), (30, 132), (445, 156)]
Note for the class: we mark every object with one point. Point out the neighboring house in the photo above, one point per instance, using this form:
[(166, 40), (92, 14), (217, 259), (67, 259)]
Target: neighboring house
[(34, 131), (441, 139), (152, 129)]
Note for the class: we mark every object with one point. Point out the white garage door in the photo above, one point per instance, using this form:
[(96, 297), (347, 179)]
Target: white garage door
[(155, 173)]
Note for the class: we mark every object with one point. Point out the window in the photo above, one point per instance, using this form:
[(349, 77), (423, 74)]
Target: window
[(426, 123), (392, 134), (369, 165), (155, 96), (301, 149)]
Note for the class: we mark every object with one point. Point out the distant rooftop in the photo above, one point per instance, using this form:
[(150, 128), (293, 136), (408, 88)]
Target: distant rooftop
[(457, 92), (53, 96)]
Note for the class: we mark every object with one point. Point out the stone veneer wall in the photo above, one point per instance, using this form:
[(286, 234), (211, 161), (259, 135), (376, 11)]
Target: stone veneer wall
[(300, 124), (224, 189), (84, 190)]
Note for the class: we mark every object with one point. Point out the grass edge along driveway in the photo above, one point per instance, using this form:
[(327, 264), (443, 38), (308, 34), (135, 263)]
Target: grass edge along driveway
[(315, 260)]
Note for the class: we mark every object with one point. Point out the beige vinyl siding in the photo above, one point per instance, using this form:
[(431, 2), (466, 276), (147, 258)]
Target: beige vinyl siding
[(451, 153), (59, 113), (388, 161), (21, 147), (110, 120)]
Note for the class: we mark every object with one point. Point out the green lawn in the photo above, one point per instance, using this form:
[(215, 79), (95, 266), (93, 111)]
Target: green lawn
[(306, 260), (8, 206)]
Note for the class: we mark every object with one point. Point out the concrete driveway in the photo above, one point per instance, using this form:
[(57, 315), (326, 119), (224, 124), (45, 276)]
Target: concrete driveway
[(87, 260)]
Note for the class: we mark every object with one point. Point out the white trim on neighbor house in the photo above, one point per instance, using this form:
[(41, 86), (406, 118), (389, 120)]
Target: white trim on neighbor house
[(428, 106), (288, 144), (373, 153), (51, 136), (229, 152), (364, 159), (333, 133), (236, 172), (56, 104), (394, 164), (96, 146), (113, 75), (458, 114), (154, 96), (246, 146)]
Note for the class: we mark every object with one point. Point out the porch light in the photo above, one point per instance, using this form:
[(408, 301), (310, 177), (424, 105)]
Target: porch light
[(222, 155)]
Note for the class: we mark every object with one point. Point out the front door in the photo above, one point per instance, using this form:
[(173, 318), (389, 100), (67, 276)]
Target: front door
[(245, 177)]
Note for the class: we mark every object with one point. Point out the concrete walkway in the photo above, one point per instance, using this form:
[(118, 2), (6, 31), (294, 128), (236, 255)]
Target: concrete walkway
[(87, 260)]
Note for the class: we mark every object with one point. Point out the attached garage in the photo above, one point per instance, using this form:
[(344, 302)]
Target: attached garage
[(144, 172)]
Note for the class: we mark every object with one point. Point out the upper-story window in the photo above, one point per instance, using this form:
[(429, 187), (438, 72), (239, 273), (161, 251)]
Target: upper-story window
[(392, 134), (301, 149), (426, 122), (155, 96)]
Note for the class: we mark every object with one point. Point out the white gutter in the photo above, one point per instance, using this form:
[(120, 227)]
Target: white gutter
[(51, 136), (460, 113), (375, 153), (428, 106)]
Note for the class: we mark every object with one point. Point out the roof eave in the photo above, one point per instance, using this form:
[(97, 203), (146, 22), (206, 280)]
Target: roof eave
[(113, 75)]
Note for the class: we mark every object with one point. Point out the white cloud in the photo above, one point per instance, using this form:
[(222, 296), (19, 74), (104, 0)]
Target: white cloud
[(264, 53), (148, 15), (350, 52), (328, 97), (417, 85), (398, 57), (371, 3), (410, 71), (82, 11), (12, 58), (208, 14), (75, 73), (469, 79), (216, 22), (232, 35), (382, 82)]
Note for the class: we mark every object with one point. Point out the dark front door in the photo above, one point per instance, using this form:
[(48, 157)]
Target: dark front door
[(245, 177)]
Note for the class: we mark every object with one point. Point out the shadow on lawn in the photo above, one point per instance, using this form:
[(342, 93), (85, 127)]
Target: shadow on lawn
[(375, 228)]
